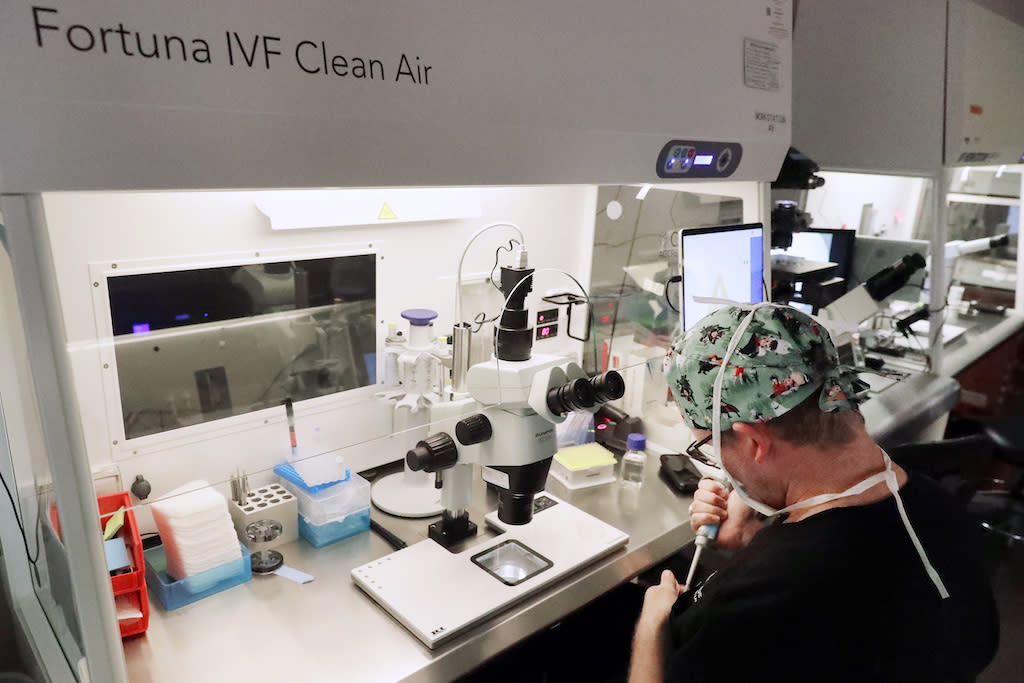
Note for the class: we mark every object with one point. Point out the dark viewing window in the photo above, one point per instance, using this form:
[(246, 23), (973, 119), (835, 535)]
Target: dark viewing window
[(198, 345)]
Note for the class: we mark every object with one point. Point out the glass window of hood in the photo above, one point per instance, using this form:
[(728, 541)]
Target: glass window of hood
[(198, 345)]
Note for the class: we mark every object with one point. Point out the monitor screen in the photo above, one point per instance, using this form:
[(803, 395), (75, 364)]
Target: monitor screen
[(813, 246), (725, 262), (824, 245)]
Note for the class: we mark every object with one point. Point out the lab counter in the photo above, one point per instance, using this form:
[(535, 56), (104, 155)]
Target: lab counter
[(329, 630), (985, 332), (900, 412), (906, 409)]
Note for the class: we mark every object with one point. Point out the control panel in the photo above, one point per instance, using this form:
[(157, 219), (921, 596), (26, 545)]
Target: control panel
[(695, 159), (547, 324)]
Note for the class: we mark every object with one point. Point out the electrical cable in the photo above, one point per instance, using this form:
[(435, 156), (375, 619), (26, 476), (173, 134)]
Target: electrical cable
[(392, 540), (670, 281), (501, 247), (462, 257), (481, 319), (21, 527)]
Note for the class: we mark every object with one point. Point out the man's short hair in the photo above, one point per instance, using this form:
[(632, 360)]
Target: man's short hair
[(807, 424)]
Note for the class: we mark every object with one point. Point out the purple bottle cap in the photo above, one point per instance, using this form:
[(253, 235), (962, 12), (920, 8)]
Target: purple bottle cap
[(419, 316), (636, 442)]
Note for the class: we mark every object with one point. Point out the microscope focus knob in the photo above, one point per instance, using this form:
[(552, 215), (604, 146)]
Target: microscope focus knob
[(436, 452), (473, 430)]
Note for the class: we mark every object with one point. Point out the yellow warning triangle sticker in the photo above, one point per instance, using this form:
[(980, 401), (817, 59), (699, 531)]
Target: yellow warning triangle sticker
[(386, 214)]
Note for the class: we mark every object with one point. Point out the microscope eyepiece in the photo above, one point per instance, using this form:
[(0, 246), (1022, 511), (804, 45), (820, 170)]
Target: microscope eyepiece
[(608, 386), (583, 393), (577, 394)]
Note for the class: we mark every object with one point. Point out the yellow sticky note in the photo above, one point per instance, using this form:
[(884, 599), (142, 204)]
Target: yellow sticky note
[(115, 522), (584, 457)]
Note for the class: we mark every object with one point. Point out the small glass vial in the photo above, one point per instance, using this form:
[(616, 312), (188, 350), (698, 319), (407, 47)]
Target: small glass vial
[(631, 470)]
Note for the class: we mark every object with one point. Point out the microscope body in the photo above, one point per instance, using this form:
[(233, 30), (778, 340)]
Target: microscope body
[(512, 436), (518, 397)]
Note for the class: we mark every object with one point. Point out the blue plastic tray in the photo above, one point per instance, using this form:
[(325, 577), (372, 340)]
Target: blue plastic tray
[(319, 535), (286, 471), (174, 594)]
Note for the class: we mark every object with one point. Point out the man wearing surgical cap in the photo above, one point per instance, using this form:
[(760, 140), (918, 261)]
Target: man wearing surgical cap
[(846, 568)]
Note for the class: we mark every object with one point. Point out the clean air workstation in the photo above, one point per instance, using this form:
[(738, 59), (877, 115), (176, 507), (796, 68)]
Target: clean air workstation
[(341, 354)]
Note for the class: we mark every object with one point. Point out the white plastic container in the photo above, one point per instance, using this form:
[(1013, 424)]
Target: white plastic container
[(332, 503)]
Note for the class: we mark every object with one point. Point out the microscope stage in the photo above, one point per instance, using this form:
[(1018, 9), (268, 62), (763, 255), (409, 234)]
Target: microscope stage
[(438, 595)]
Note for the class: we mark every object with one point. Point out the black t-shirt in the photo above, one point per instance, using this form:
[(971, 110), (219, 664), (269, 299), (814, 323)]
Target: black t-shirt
[(843, 596)]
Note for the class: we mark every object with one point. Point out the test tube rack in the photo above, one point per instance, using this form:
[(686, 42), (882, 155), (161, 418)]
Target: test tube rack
[(267, 502)]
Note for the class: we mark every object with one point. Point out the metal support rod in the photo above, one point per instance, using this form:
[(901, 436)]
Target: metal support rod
[(764, 200), (462, 337), (937, 276), (1018, 305)]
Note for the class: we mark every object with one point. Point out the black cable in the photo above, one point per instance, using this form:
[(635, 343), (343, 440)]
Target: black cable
[(21, 527), (481, 319), (392, 540), (501, 247), (668, 299)]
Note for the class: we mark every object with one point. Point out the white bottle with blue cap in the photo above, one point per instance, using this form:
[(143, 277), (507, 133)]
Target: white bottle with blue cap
[(631, 470)]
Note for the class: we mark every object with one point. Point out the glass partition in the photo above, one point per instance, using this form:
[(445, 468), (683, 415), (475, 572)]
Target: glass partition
[(193, 346), (26, 473), (984, 202), (635, 290)]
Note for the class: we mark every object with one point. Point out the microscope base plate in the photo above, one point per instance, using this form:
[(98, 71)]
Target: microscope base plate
[(438, 595)]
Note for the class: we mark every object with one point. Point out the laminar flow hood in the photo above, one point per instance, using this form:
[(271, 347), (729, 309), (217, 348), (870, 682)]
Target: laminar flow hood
[(100, 94)]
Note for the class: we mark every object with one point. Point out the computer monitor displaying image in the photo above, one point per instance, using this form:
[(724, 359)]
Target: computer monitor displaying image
[(725, 262), (823, 245)]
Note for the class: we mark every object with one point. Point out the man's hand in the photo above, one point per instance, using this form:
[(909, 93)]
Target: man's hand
[(650, 641), (712, 504), (658, 600)]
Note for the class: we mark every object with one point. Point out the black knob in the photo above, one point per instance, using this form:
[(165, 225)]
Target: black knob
[(474, 429), (436, 452), (141, 488)]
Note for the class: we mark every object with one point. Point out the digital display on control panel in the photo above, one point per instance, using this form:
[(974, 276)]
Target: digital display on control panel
[(547, 331), (547, 316), (698, 159)]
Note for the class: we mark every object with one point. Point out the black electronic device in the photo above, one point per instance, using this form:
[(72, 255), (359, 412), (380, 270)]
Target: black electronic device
[(891, 279), (797, 172), (787, 218), (675, 471), (612, 427)]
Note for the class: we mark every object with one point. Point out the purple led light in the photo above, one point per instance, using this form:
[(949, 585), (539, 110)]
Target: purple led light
[(141, 328)]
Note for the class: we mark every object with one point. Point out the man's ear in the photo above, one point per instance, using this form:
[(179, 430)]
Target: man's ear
[(755, 438)]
